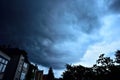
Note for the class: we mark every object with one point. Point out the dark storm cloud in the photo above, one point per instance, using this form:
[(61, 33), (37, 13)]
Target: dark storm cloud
[(114, 5), (47, 29)]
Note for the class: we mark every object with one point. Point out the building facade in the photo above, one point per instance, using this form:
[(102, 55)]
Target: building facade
[(24, 71), (39, 75), (4, 59), (13, 64)]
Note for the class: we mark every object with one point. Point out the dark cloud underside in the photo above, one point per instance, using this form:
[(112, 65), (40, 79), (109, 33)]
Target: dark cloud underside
[(114, 5), (48, 29)]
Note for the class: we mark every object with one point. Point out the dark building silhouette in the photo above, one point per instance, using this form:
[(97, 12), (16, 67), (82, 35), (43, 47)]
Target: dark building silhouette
[(45, 77), (14, 65), (15, 62), (50, 75), (4, 59), (39, 75)]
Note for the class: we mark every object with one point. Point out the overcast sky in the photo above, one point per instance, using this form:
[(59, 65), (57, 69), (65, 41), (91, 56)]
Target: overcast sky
[(59, 32)]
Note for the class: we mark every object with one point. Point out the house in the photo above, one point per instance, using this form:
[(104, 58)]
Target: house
[(45, 77), (15, 62), (4, 59), (14, 65), (32, 72), (39, 75), (25, 69), (50, 75)]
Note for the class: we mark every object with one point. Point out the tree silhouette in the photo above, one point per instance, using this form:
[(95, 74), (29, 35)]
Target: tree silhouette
[(116, 68), (117, 55), (77, 73), (104, 69), (68, 74)]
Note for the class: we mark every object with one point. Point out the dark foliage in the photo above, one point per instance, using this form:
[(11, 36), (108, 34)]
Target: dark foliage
[(117, 59), (104, 69)]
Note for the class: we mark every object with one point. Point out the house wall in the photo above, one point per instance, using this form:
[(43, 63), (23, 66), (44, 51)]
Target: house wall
[(19, 68), (39, 75), (3, 63), (24, 71), (16, 65), (11, 68)]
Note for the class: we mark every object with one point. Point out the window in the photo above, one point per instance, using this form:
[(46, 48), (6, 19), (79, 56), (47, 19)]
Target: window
[(19, 67), (25, 65), (3, 63), (22, 76), (1, 66)]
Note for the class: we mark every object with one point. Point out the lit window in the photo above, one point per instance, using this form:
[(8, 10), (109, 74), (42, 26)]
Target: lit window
[(22, 76), (25, 65), (1, 66), (6, 62), (3, 63)]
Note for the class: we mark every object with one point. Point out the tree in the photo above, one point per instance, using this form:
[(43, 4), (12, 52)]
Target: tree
[(105, 61), (77, 73), (117, 55), (69, 73), (103, 67)]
